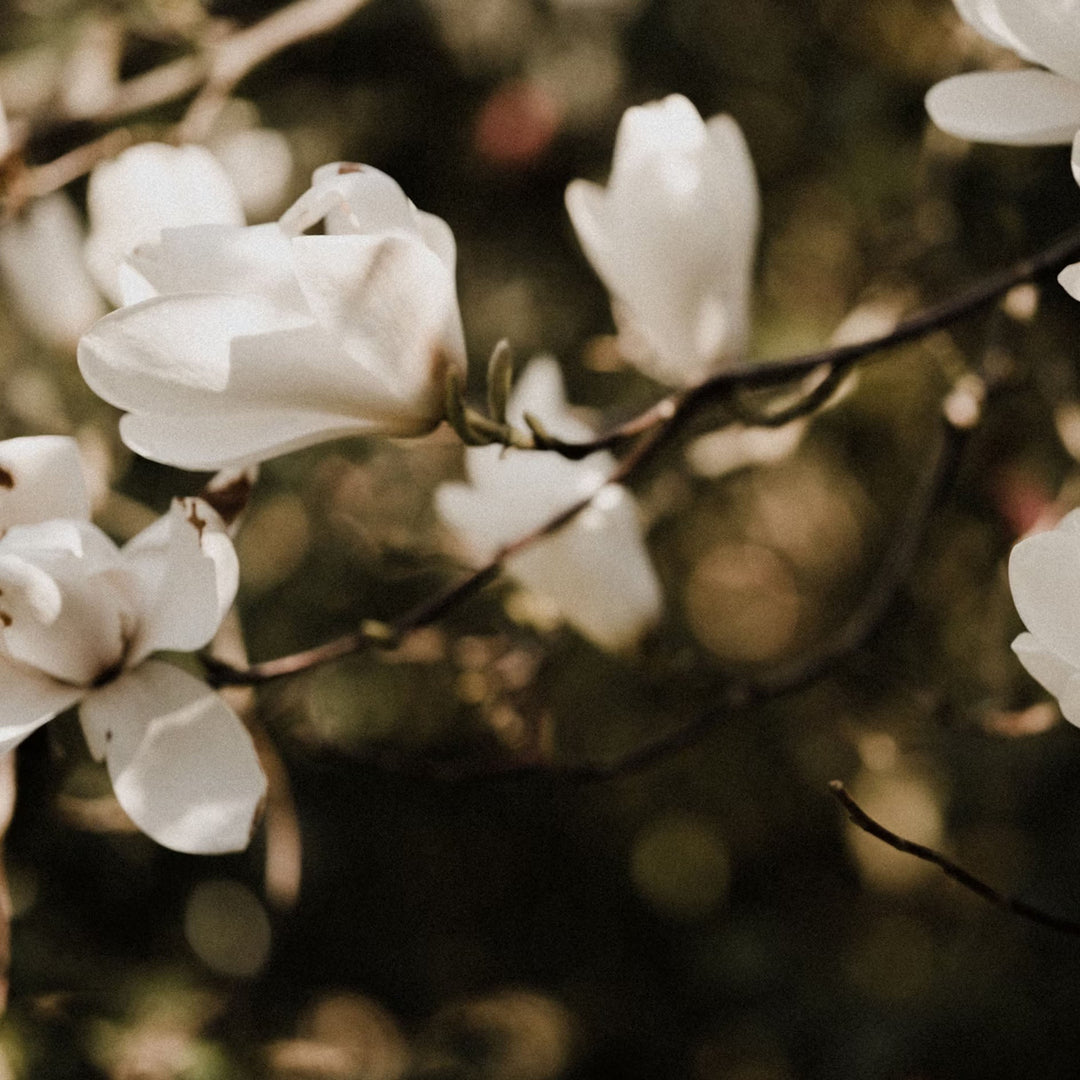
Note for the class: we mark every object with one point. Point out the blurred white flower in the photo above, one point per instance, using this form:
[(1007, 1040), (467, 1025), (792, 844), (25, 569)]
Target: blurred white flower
[(148, 188), (258, 159), (239, 344), (41, 260), (1044, 573), (595, 569), (738, 446), (673, 237), (1030, 107), (79, 618), (259, 162)]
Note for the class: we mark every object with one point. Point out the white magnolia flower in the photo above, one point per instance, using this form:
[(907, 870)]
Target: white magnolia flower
[(79, 619), (1030, 107), (145, 189), (239, 344), (595, 569), (673, 238), (1044, 573)]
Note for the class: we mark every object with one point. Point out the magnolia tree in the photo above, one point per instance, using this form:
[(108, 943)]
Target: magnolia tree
[(224, 345)]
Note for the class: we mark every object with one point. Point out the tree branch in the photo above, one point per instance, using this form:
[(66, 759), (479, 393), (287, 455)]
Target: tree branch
[(862, 820), (215, 72), (658, 427), (834, 361), (388, 635)]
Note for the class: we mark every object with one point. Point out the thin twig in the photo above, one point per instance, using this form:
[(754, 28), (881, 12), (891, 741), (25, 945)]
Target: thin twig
[(44, 179), (860, 624), (665, 421), (388, 635), (862, 820), (662, 428), (215, 73), (236, 55)]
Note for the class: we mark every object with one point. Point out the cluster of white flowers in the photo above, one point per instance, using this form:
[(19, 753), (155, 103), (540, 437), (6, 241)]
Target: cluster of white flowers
[(1033, 106), (234, 343), (79, 620)]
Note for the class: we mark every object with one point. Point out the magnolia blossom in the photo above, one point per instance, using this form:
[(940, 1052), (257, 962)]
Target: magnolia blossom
[(145, 189), (238, 344), (1044, 573), (673, 238), (1030, 107), (79, 620), (594, 570)]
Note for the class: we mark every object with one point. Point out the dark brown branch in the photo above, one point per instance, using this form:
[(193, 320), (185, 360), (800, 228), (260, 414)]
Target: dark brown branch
[(862, 820), (860, 624), (836, 359), (656, 429), (388, 635), (891, 573)]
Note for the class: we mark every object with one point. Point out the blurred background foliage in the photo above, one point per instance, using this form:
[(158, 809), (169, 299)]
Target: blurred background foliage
[(709, 916)]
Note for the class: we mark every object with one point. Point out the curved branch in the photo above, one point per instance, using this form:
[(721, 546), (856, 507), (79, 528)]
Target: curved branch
[(862, 820), (836, 360), (657, 428), (387, 635)]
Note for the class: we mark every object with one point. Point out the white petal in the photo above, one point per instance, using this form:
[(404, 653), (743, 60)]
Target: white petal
[(41, 258), (1044, 574), (1048, 29), (68, 608), (1054, 673), (733, 177), (1021, 108), (41, 478), (259, 162), (585, 203), (1043, 665), (1069, 279), (223, 438), (539, 390), (597, 572), (985, 17), (391, 303), (29, 699), (1074, 158), (737, 447), (668, 128), (181, 762), (147, 188), (439, 238), (188, 366), (187, 574), (221, 259), (173, 353), (513, 492), (351, 199), (982, 15)]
